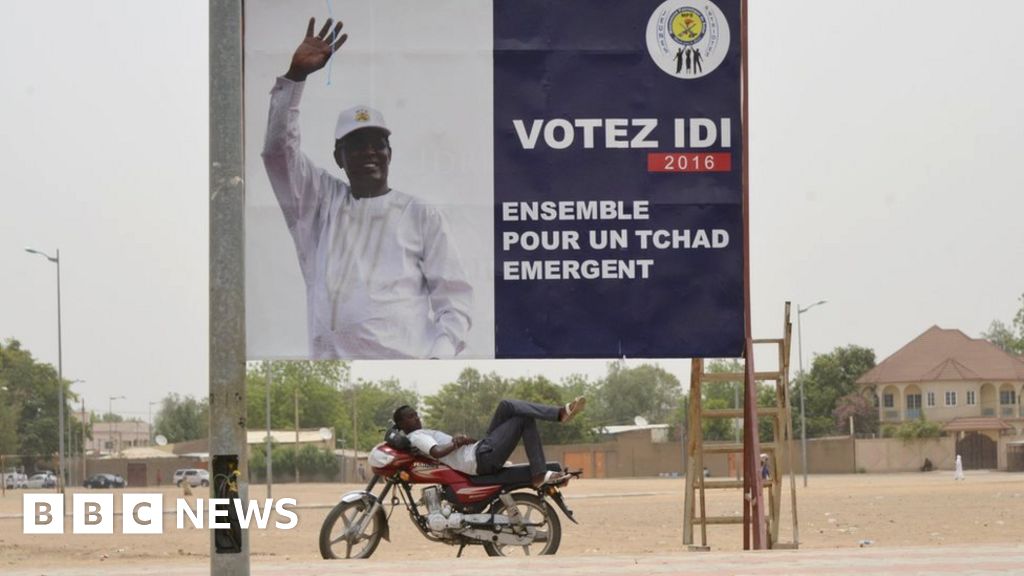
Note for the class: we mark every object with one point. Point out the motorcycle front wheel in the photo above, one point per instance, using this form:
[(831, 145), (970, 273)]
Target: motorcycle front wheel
[(340, 536), (536, 512)]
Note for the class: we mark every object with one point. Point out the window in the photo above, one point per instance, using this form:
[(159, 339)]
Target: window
[(931, 398), (887, 399), (970, 398), (950, 398), (1007, 397), (913, 401)]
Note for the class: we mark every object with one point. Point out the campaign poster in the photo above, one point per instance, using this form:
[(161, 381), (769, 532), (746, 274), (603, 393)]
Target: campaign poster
[(493, 179)]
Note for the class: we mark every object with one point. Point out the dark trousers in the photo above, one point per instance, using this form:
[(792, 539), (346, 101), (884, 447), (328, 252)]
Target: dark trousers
[(514, 419)]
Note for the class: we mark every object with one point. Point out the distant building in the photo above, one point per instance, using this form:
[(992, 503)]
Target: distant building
[(969, 385), (946, 375), (113, 437)]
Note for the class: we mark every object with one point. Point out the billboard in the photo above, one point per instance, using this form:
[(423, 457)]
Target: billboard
[(493, 179)]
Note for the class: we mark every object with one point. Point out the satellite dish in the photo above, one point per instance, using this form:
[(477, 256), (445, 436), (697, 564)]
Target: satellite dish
[(326, 433), (640, 421), (160, 440)]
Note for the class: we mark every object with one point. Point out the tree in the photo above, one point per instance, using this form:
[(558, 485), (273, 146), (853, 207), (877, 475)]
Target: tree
[(832, 376), (182, 419), (466, 405), (1009, 338), (31, 403), (376, 402), (325, 400), (625, 393), (861, 408)]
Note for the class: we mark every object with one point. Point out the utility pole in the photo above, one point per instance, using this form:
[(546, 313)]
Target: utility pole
[(296, 459)]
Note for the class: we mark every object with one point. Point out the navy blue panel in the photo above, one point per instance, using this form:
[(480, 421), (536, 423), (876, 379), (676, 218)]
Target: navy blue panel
[(589, 59)]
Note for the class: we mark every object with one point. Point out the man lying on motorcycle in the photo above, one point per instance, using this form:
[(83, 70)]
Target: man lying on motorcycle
[(513, 420)]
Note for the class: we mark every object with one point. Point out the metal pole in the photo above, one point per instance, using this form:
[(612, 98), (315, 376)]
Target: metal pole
[(296, 459), (60, 381), (270, 445), (83, 440), (803, 417)]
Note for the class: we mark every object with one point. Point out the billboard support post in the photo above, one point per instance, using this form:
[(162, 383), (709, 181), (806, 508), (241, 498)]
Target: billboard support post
[(227, 279)]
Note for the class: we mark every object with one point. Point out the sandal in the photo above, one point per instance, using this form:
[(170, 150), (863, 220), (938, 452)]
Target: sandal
[(573, 408)]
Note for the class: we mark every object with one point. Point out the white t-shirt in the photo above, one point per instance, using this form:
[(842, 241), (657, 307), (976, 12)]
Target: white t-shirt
[(462, 459)]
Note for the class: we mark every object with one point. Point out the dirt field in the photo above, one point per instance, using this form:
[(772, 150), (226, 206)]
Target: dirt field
[(635, 516)]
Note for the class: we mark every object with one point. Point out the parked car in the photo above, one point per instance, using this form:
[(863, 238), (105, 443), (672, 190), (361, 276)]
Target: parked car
[(192, 476), (15, 479), (105, 481), (44, 480)]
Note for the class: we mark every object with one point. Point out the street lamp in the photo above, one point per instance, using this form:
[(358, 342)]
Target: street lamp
[(71, 445), (110, 406), (60, 372), (151, 421), (110, 418), (800, 355)]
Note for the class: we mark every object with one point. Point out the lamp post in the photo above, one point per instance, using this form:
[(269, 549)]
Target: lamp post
[(110, 419), (60, 373), (151, 421), (71, 445), (800, 355)]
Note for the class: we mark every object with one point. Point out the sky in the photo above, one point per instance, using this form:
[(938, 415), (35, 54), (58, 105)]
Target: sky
[(884, 146)]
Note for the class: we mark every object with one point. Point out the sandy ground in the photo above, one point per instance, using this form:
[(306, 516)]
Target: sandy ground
[(627, 516)]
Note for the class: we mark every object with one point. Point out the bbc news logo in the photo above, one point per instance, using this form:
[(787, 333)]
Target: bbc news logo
[(144, 513)]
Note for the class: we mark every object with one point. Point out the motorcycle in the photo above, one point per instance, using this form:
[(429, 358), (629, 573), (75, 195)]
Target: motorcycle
[(502, 512)]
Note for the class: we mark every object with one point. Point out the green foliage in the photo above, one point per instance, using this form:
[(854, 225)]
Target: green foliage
[(467, 405), (181, 419), (356, 412), (29, 416), (647, 390), (832, 377), (315, 464), (917, 429), (1009, 338), (717, 429)]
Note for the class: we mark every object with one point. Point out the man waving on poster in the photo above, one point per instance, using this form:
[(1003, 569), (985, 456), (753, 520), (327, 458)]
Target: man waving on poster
[(383, 277)]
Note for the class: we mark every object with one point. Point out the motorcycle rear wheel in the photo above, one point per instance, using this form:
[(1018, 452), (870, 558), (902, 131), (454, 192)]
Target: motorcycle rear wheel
[(335, 540), (534, 510)]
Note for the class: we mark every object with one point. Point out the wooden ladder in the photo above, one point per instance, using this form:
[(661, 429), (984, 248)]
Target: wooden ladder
[(781, 448)]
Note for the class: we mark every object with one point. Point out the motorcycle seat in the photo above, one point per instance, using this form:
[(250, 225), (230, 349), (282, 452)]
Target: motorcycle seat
[(515, 475)]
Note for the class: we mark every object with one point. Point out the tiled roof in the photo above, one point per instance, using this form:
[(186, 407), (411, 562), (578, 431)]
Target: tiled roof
[(973, 424), (942, 355)]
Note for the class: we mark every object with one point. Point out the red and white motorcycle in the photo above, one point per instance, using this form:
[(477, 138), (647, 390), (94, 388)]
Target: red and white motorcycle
[(503, 512)]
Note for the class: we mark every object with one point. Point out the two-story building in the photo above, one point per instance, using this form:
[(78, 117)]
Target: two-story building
[(969, 385)]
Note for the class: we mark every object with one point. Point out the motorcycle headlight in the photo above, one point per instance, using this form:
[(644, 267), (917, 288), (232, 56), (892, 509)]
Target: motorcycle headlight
[(380, 458)]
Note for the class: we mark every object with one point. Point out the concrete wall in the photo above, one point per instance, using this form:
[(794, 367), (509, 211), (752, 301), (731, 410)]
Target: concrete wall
[(895, 455), (159, 471)]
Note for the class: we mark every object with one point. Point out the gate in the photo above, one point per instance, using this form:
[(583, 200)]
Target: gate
[(137, 474), (977, 451)]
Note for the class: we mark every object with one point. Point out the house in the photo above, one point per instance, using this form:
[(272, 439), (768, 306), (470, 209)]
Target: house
[(969, 385), (113, 437)]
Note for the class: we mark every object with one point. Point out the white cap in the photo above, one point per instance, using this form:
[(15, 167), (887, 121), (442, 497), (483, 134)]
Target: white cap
[(359, 117)]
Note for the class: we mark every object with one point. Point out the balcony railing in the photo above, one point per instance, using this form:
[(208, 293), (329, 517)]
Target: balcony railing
[(891, 415), (913, 413), (1006, 412), (988, 411)]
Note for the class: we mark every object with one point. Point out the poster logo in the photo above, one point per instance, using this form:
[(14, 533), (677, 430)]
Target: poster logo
[(688, 38)]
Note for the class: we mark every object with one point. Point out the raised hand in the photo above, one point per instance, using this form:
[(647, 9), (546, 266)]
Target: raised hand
[(314, 51)]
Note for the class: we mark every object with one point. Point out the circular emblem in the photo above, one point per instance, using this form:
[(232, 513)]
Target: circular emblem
[(688, 38), (686, 26)]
